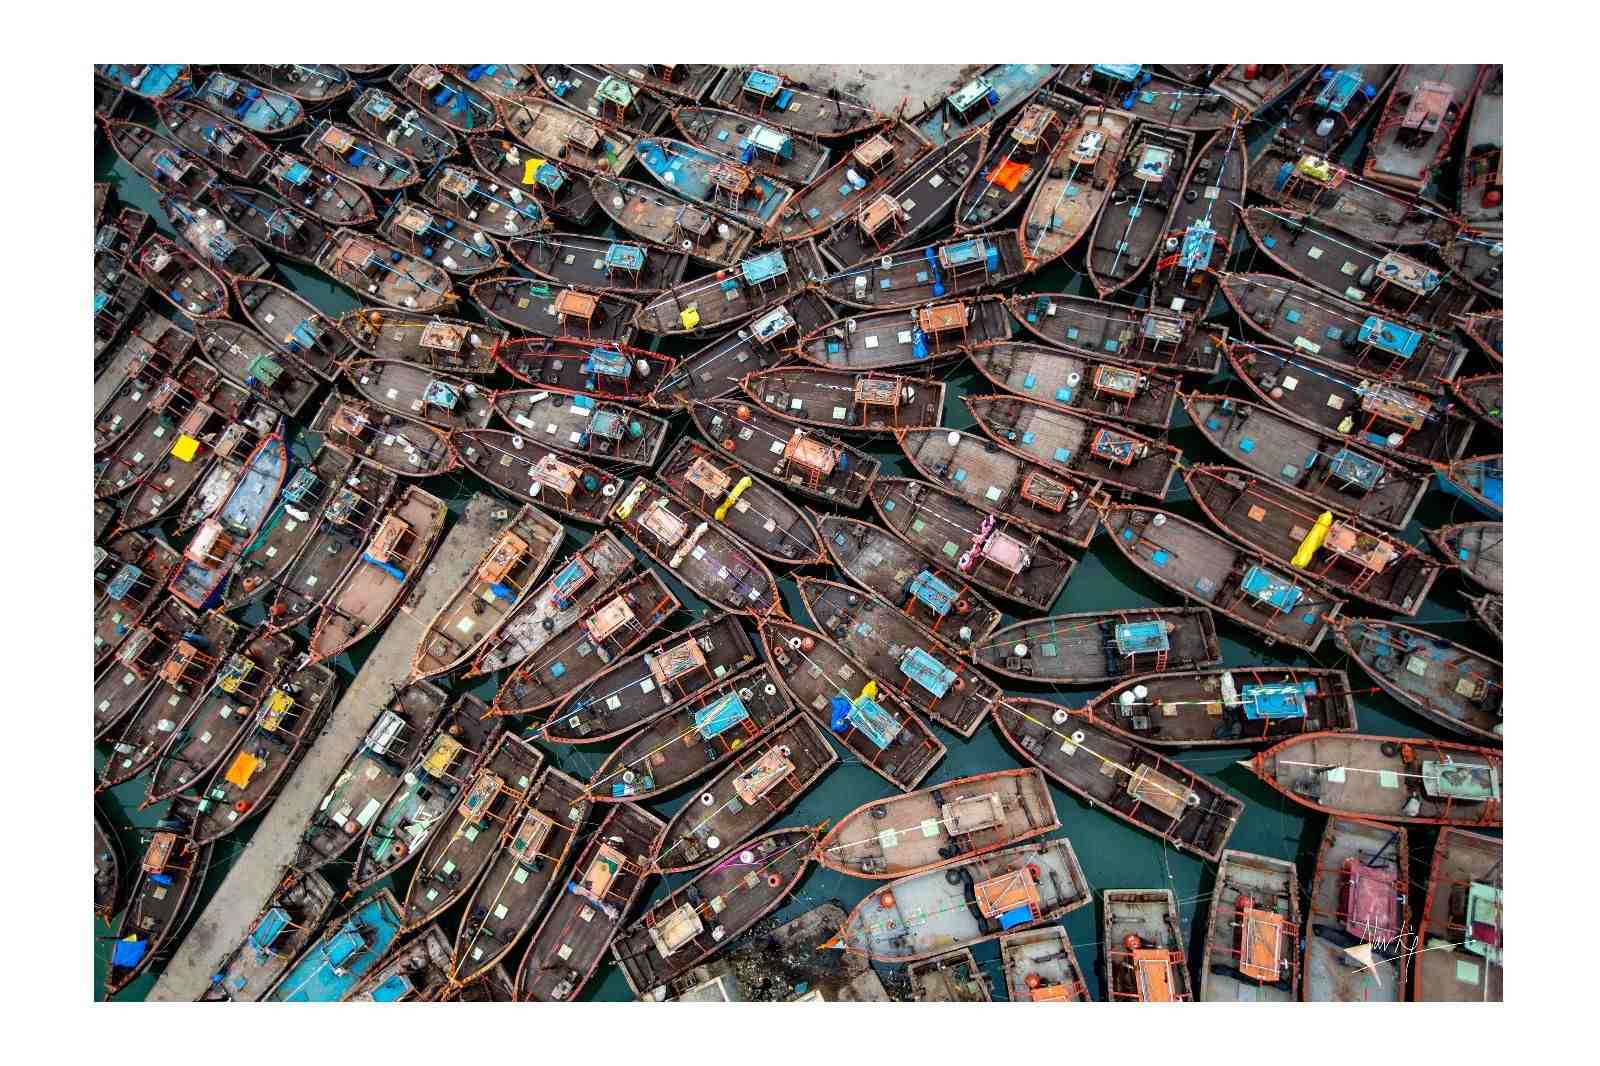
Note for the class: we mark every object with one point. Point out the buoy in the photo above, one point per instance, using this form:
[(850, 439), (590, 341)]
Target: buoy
[(743, 411), (886, 900), (707, 799), (728, 443), (747, 856), (1491, 198), (1020, 650), (1132, 941), (807, 643), (1060, 716), (713, 843), (1032, 980), (242, 806), (773, 880)]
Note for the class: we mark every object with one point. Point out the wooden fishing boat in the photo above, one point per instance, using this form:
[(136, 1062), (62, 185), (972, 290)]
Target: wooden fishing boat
[(110, 102), (1089, 647), (147, 415), (190, 473), (727, 297), (400, 730), (332, 198), (356, 156), (1157, 99), (1254, 88), (691, 737), (204, 737), (217, 547), (873, 725), (403, 446), (1475, 549), (993, 481), (756, 513), (1409, 425), (963, 266), (712, 909), (489, 594), (527, 866), (1479, 260), (1078, 180), (1053, 378), (445, 97), (1252, 952), (222, 144), (762, 782), (140, 662), (1041, 967), (1144, 947), (109, 863), (1331, 107), (1489, 611), (572, 364), (1481, 192), (291, 525), (534, 473), (247, 779), (687, 81), (1484, 396), (986, 99), (717, 184), (1203, 226), (130, 577), (374, 585), (849, 401), (1017, 159), (1338, 552), (966, 903), (1398, 779), (506, 83), (460, 250), (119, 296), (420, 803), (385, 274), (474, 199), (171, 874), (780, 101), (926, 591), (1226, 708), (901, 655), (931, 185), (212, 240), (1153, 338), (494, 985), (1358, 913), (580, 318), (341, 526), (1301, 317), (167, 167), (648, 684), (1461, 958), (1291, 177), (1451, 686), (1480, 481), (562, 194), (416, 135), (270, 223), (1241, 584), (584, 426), (189, 285), (1387, 281), (407, 389), (294, 326), (1486, 330), (453, 345), (671, 223), (292, 915), (996, 554), (1325, 467), (465, 844), (104, 515), (349, 949), (152, 347), (903, 337), (708, 560), (607, 879), (717, 369), (311, 83), (416, 972), (1144, 195), (1421, 116), (964, 818), (153, 81), (859, 176), (599, 264), (579, 583), (580, 143), (791, 158), (602, 96), (1079, 447), (808, 462), (256, 108)]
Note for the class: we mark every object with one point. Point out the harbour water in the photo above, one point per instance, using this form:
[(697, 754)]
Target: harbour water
[(1113, 854)]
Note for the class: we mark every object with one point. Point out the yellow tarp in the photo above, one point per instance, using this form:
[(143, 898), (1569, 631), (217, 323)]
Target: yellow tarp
[(1312, 541), (244, 767), (185, 448), (690, 317), (530, 170)]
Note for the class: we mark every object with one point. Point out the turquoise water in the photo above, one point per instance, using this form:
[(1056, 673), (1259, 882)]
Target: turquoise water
[(1113, 855)]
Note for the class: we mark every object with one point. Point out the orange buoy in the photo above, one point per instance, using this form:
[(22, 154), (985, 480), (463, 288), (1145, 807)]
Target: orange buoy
[(1033, 870), (1491, 198), (1032, 980), (728, 444), (962, 607), (743, 411), (242, 806), (886, 900), (773, 880), (1132, 941), (807, 643)]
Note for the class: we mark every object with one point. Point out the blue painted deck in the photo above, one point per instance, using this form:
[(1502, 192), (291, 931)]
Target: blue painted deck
[(247, 507), (158, 77), (337, 962), (264, 111), (1011, 83), (689, 171)]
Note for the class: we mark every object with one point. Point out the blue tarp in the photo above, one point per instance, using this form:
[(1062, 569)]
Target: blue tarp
[(625, 256), (1340, 88), (761, 83), (1198, 241), (123, 582), (870, 718), (721, 716), (927, 671), (1135, 637), (838, 714), (392, 989), (1356, 469), (388, 568), (1270, 589), (964, 252), (932, 592), (1275, 701), (1016, 916), (1119, 71), (1396, 340), (609, 363), (764, 267), (128, 952), (267, 929)]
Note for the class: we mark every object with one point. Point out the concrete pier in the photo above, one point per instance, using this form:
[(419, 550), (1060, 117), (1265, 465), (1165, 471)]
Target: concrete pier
[(884, 85), (259, 869)]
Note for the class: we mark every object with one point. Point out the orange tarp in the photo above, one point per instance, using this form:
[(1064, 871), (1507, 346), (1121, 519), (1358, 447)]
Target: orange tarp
[(1008, 175)]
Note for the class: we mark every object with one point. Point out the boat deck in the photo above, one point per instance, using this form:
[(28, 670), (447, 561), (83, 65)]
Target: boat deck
[(1448, 968), (693, 171), (792, 158), (808, 462), (951, 978), (563, 194), (294, 326), (774, 98), (1011, 85), (719, 300), (350, 948), (1247, 883), (462, 252), (1330, 974), (331, 197), (418, 971), (553, 132), (420, 392), (837, 399), (535, 307), (452, 345), (1451, 686), (717, 369), (1082, 648), (588, 263), (1076, 185), (283, 929), (1041, 967), (1359, 208), (536, 474), (1404, 156), (225, 145), (1476, 548), (1057, 377), (1134, 224), (760, 516), (668, 221), (1238, 707), (1144, 919), (1097, 329), (1016, 161), (368, 268), (1209, 222), (1428, 781), (449, 99), (584, 426), (354, 154), (1156, 99), (1077, 446), (835, 195), (342, 523)]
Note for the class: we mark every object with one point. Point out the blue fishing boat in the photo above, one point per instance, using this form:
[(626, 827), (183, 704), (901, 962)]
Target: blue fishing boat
[(333, 966), (1481, 481), (153, 81), (989, 97), (722, 184), (218, 544), (252, 106)]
